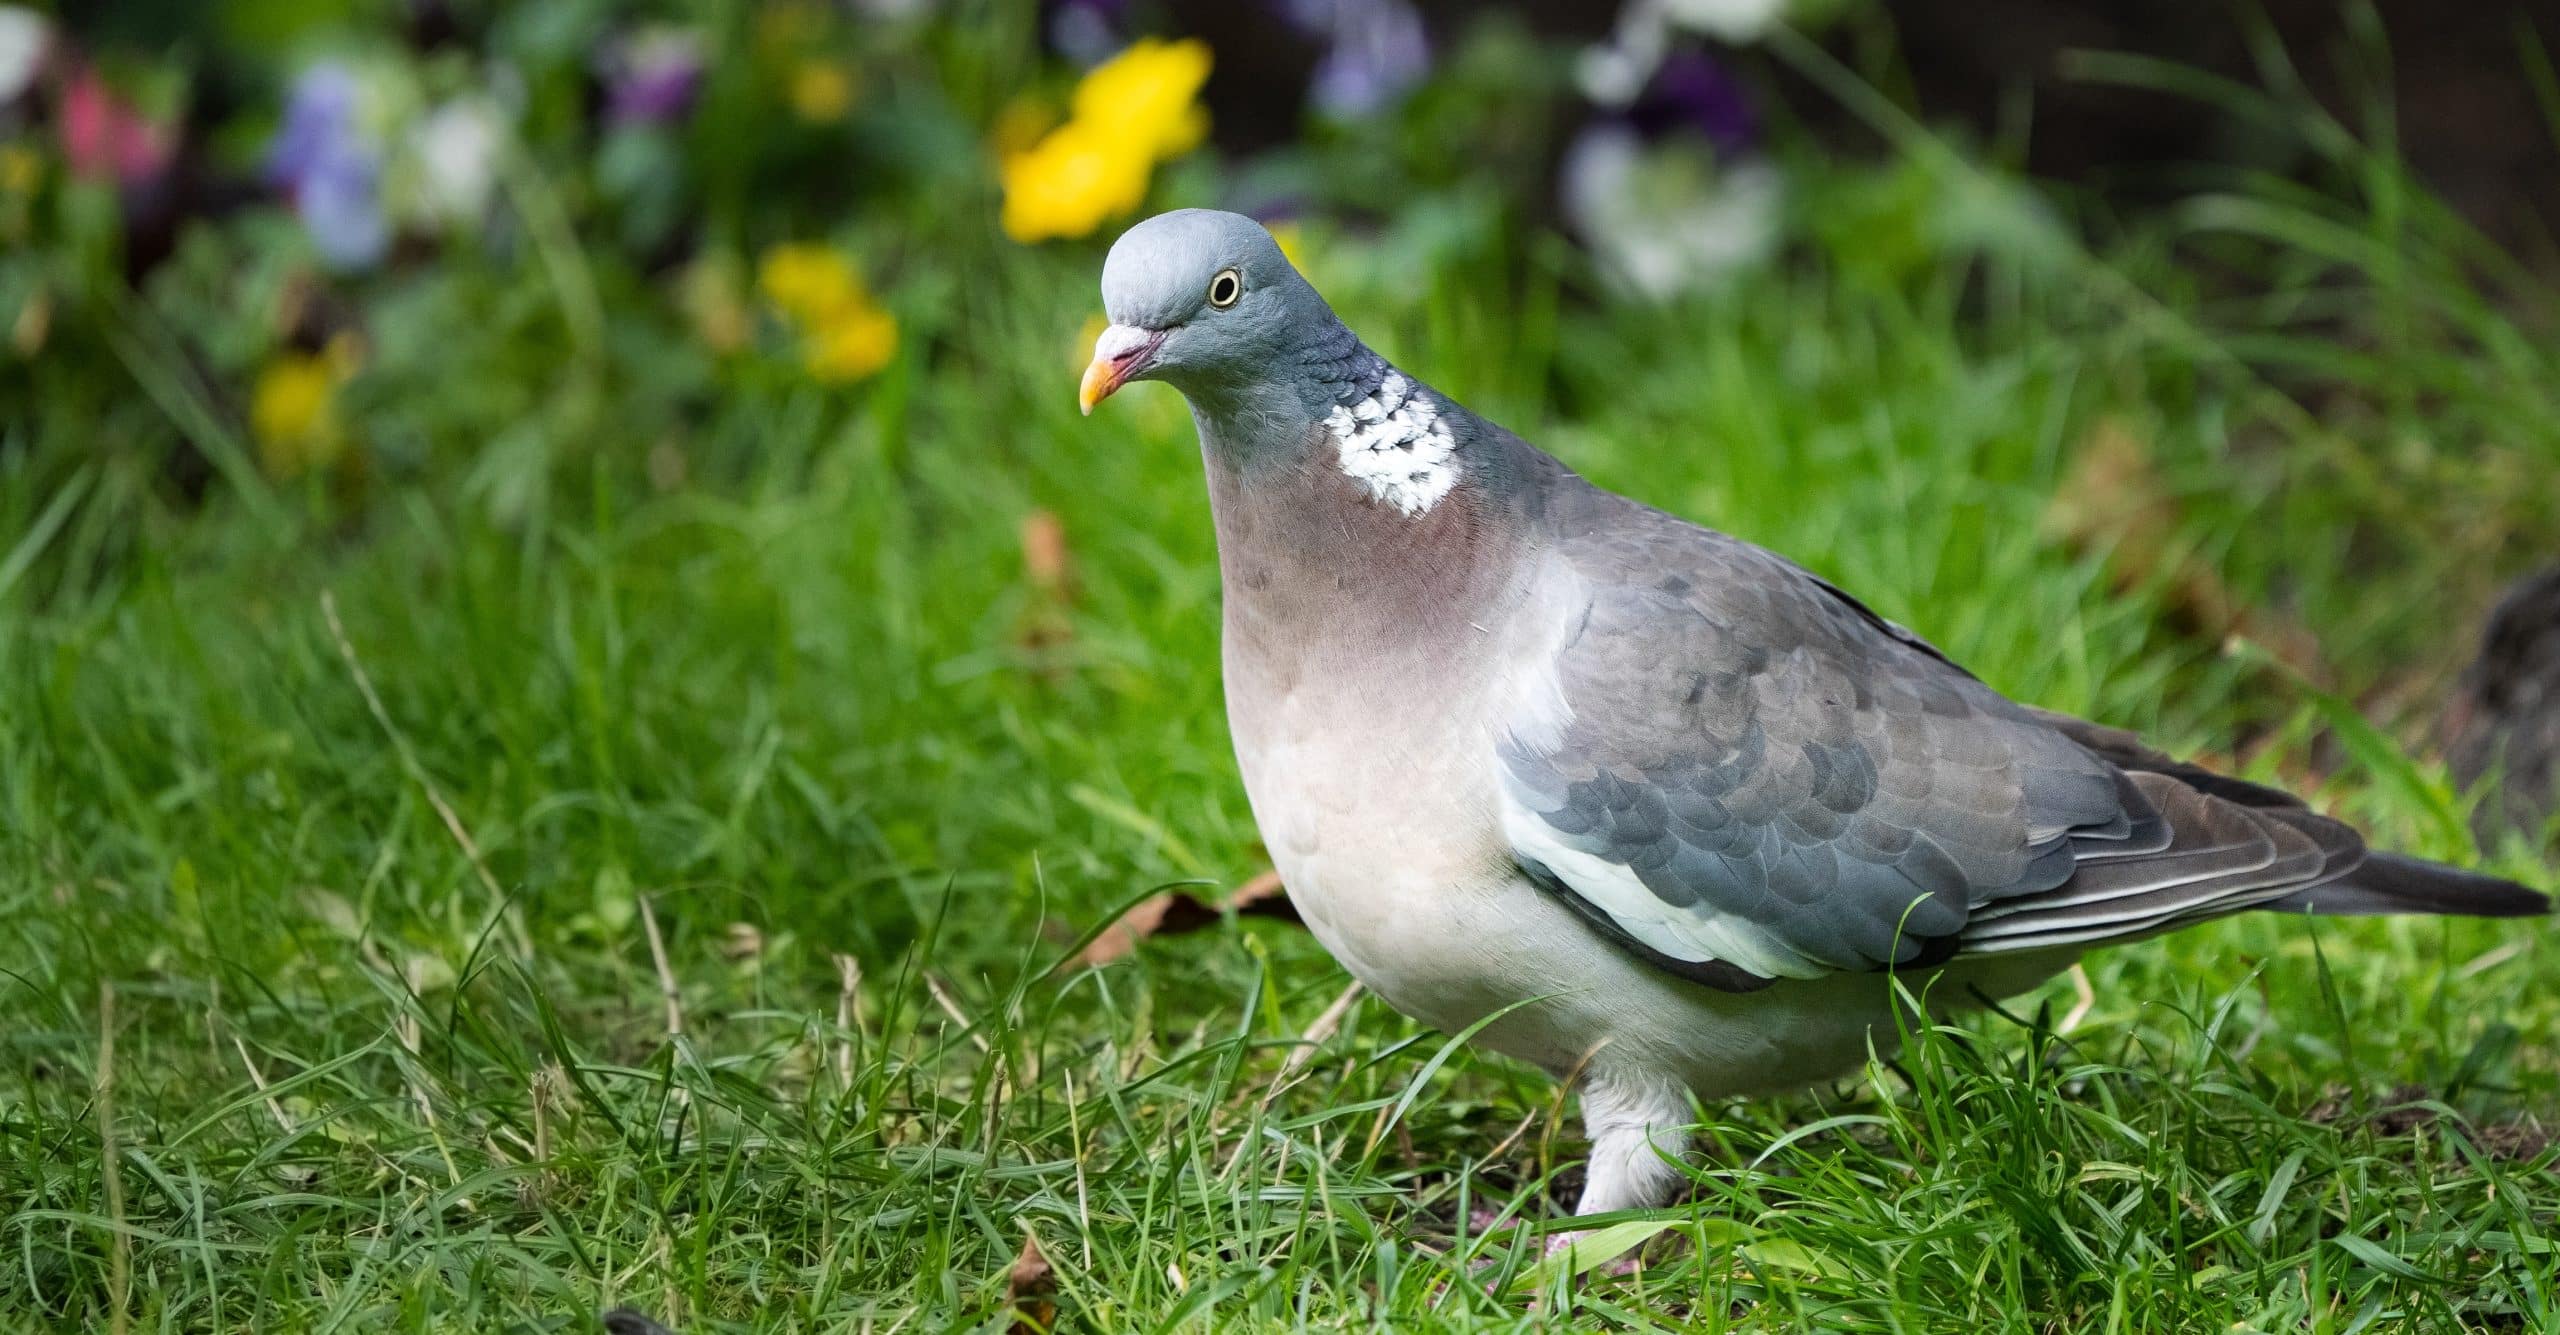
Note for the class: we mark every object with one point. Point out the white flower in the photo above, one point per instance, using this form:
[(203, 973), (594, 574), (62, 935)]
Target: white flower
[(457, 147), (23, 36), (1614, 72), (1664, 219), (1736, 21)]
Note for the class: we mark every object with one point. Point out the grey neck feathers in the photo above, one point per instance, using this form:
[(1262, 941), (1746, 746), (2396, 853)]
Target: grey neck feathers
[(1262, 418), (1331, 410)]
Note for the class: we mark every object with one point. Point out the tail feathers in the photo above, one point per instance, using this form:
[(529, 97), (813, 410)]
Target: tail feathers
[(2391, 883)]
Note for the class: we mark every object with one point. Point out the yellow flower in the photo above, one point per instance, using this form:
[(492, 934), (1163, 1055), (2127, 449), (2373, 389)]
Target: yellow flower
[(844, 335), (1072, 181), (293, 412), (790, 25), (1130, 113), (1292, 240), (708, 292), (1146, 93), (810, 281), (1082, 351), (852, 344), (1025, 117), (20, 169), (821, 91)]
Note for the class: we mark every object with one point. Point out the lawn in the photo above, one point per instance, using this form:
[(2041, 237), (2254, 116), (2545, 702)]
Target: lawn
[(623, 861)]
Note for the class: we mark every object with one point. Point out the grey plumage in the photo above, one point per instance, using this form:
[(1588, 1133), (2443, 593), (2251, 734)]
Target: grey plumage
[(1511, 736)]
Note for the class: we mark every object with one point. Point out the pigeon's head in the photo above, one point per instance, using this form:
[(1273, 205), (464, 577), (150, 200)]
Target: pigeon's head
[(1198, 298)]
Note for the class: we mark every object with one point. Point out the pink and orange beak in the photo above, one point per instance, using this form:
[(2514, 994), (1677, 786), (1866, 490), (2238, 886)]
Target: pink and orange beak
[(1122, 351)]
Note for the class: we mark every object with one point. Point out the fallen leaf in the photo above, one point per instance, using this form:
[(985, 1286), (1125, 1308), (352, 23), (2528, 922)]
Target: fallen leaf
[(2114, 503), (1049, 567), (35, 320), (1174, 912), (1045, 558), (2406, 1109), (1030, 1289)]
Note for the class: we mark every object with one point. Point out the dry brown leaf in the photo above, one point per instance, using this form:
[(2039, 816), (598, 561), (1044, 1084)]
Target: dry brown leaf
[(2114, 503), (2403, 1111), (35, 321), (1030, 1289), (1049, 568), (1046, 562), (1174, 912)]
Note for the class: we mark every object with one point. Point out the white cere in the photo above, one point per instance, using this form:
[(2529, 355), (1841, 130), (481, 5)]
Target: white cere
[(1395, 444)]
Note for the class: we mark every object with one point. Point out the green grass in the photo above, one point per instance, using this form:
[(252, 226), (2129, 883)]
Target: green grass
[(362, 917)]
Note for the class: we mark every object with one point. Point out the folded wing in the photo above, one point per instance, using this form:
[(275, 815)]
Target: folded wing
[(1743, 774)]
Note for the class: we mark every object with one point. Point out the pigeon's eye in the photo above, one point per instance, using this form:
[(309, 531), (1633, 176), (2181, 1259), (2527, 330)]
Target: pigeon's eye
[(1225, 288)]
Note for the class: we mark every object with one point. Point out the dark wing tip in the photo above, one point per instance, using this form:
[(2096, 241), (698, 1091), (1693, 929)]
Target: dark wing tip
[(2397, 883)]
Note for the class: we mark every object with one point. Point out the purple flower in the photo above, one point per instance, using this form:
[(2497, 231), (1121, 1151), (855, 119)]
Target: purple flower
[(1085, 31), (331, 169), (340, 200), (1691, 92), (651, 77), (318, 114), (1377, 52)]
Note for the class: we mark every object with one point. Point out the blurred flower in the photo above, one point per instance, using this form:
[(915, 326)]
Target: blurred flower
[(1663, 218), (844, 334), (788, 28), (1020, 123), (709, 294), (457, 153), (21, 174), (21, 170), (1076, 178), (105, 139), (340, 202), (1084, 31), (1692, 92), (809, 281), (319, 113), (1613, 73), (1377, 51), (35, 321), (293, 410), (1147, 93), (330, 167), (852, 345), (1654, 187), (1726, 20), (652, 76), (1080, 352), (1130, 112), (24, 35), (821, 91), (1291, 237)]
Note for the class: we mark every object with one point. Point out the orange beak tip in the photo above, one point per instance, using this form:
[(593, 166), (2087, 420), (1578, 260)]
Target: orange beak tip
[(1097, 386)]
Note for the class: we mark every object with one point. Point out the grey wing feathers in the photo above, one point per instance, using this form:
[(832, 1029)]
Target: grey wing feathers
[(1756, 777)]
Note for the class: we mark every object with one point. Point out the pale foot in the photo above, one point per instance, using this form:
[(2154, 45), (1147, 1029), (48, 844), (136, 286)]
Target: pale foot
[(1617, 1268)]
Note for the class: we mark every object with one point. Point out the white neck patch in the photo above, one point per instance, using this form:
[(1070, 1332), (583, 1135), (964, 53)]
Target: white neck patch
[(1394, 443)]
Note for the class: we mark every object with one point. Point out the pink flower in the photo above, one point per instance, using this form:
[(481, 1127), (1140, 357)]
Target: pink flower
[(105, 139)]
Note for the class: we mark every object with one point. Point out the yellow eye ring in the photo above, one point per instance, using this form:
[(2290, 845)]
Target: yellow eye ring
[(1226, 289)]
